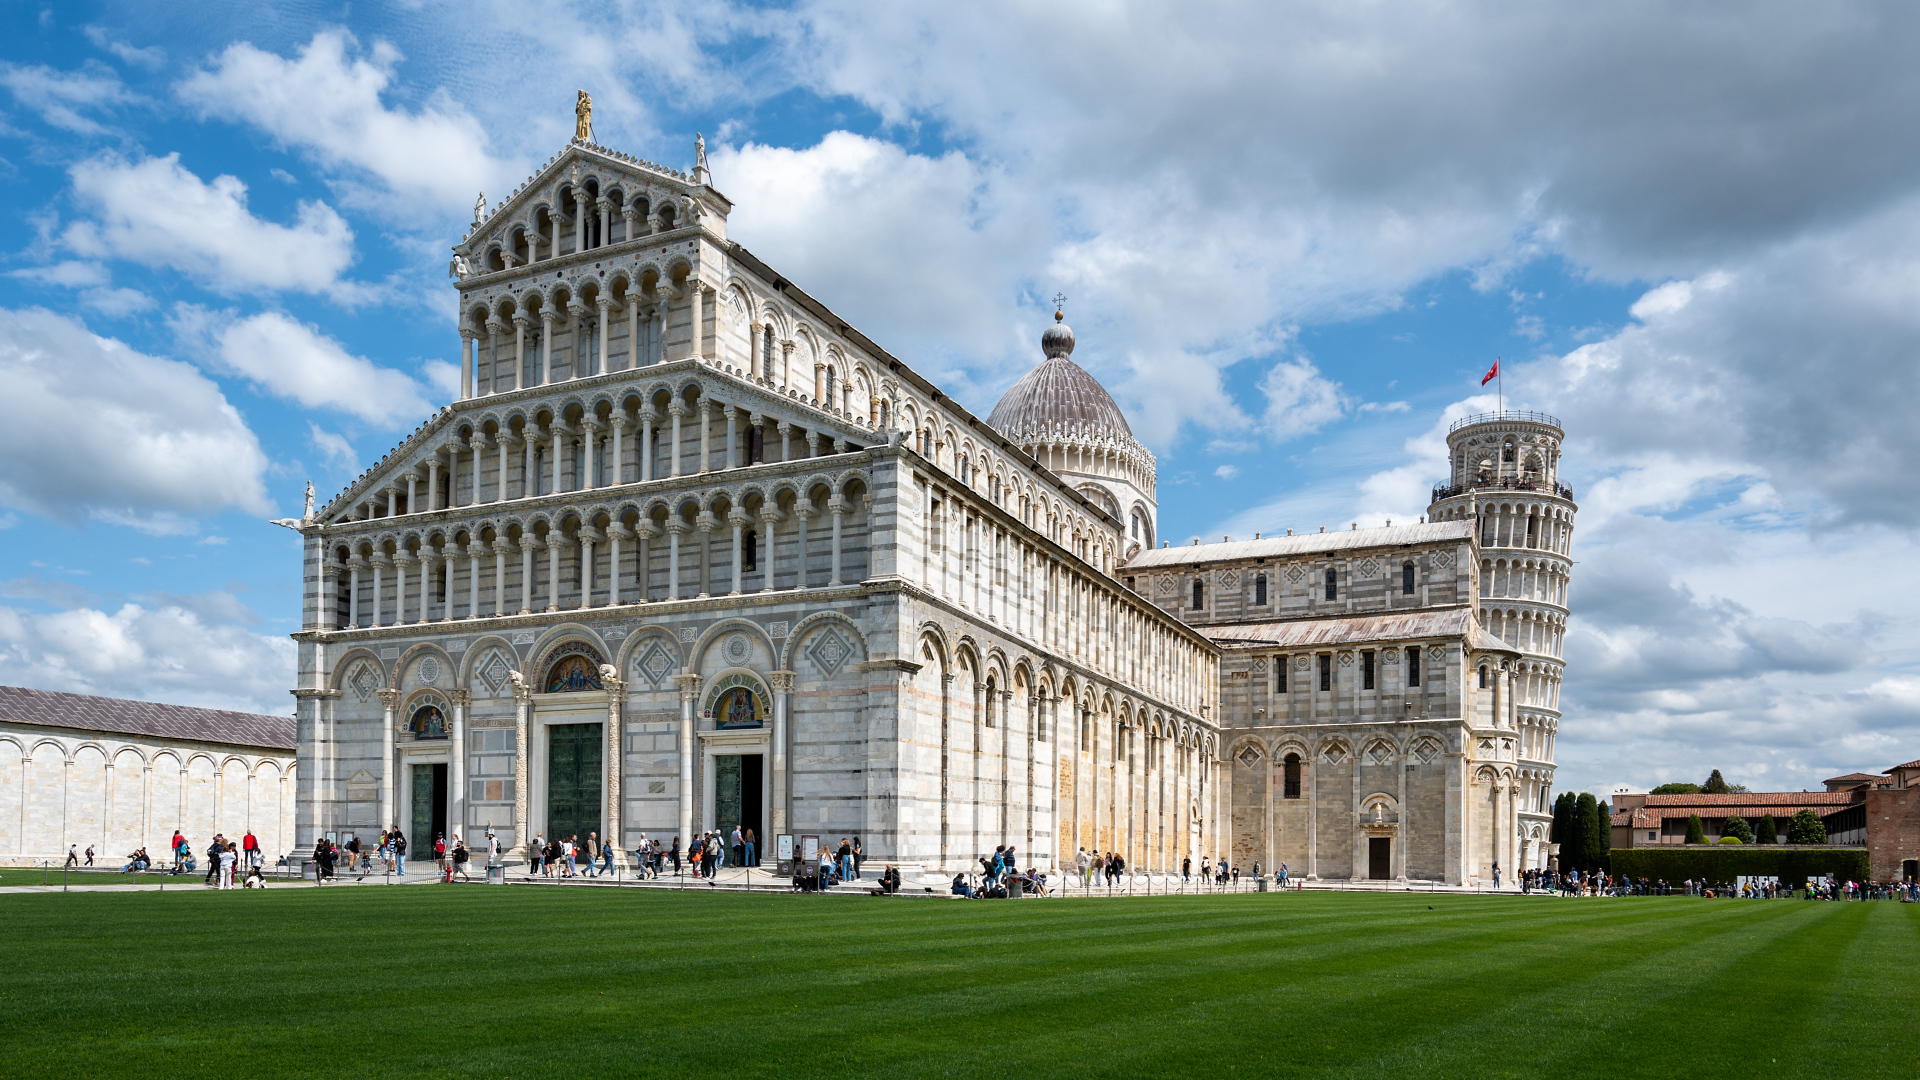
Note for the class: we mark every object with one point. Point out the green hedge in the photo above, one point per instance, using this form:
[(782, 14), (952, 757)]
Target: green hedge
[(1791, 864)]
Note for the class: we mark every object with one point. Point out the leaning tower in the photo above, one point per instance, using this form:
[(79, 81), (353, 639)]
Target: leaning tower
[(1506, 478)]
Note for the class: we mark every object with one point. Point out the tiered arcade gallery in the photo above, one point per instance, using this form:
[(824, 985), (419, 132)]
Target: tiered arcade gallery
[(691, 553)]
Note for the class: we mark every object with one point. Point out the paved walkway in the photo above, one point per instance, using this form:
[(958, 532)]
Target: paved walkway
[(736, 879)]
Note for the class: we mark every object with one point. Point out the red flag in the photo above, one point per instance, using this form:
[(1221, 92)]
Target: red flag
[(1491, 373)]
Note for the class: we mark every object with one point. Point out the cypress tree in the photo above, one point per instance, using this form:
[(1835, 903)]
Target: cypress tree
[(1696, 831), (1601, 842), (1563, 828), (1586, 815), (1768, 833), (1715, 785)]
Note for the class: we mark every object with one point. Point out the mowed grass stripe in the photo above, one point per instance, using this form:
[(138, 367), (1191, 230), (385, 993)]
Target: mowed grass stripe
[(515, 981)]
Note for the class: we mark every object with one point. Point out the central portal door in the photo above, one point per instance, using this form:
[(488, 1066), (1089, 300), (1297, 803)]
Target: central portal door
[(573, 781), (1380, 857), (429, 803), (736, 798)]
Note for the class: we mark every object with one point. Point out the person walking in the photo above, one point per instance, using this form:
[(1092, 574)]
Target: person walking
[(860, 857), (399, 852), (493, 849), (214, 849), (460, 857), (752, 850), (89, 854), (739, 843), (229, 855), (73, 856), (673, 854), (250, 849), (593, 853)]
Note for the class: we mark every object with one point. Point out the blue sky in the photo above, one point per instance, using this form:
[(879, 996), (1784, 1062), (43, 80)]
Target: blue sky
[(1293, 237)]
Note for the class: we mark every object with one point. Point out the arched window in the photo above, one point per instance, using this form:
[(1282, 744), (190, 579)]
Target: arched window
[(1333, 584), (1199, 594), (884, 421), (1290, 776), (1483, 676), (1506, 453), (749, 549), (1260, 590), (1413, 665), (1406, 579), (1279, 674)]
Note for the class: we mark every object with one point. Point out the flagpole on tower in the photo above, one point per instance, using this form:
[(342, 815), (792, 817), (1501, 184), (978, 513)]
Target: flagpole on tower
[(1500, 387)]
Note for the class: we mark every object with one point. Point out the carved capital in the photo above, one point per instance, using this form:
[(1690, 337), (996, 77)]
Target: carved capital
[(389, 698), (522, 693), (781, 682), (460, 698)]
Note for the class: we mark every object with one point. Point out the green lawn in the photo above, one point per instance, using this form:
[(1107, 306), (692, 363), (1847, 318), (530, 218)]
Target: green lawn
[(545, 982)]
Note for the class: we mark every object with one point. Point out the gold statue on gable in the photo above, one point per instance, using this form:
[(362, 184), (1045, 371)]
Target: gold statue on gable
[(583, 117)]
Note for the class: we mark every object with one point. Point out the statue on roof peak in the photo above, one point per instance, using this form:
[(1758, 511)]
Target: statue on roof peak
[(583, 117)]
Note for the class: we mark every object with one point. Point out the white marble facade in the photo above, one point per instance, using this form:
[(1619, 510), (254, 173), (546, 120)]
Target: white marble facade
[(681, 499)]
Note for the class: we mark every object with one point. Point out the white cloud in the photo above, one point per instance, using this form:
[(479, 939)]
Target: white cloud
[(291, 359), (334, 449), (158, 446), (154, 211), (1227, 472), (61, 97), (327, 103), (1300, 400), (153, 56), (93, 281), (161, 652)]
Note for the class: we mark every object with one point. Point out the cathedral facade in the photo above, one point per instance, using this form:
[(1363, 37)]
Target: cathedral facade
[(690, 553)]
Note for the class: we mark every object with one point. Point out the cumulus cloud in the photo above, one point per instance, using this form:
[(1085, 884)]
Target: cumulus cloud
[(154, 446), (293, 360), (1300, 401), (326, 102), (179, 650), (63, 98), (157, 212), (1797, 366)]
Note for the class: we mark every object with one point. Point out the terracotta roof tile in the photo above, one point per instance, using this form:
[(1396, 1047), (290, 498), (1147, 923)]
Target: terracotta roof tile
[(46, 708)]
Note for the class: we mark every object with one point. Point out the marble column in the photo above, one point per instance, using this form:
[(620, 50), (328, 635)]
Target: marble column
[(546, 346), (646, 444), (590, 428), (616, 760), (501, 547), (389, 701), (466, 362), (705, 524), (522, 707), (689, 696), (738, 520), (802, 510), (781, 682), (520, 324), (643, 560), (527, 546), (588, 538), (676, 528), (676, 409), (457, 766), (604, 303), (838, 507), (554, 540)]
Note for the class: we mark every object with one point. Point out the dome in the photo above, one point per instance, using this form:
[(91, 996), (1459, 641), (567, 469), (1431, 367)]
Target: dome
[(1058, 395)]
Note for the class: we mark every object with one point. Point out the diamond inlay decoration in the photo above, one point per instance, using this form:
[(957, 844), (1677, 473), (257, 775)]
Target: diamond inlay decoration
[(1230, 577), (1249, 757), (1294, 574), (655, 663), (364, 682), (1368, 568), (1346, 659), (830, 650), (494, 672), (1334, 755), (1442, 559)]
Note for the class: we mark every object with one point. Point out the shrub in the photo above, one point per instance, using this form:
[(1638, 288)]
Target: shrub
[(1806, 828), (1696, 832), (1731, 840), (1725, 863), (1737, 827), (1768, 833), (1677, 788)]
